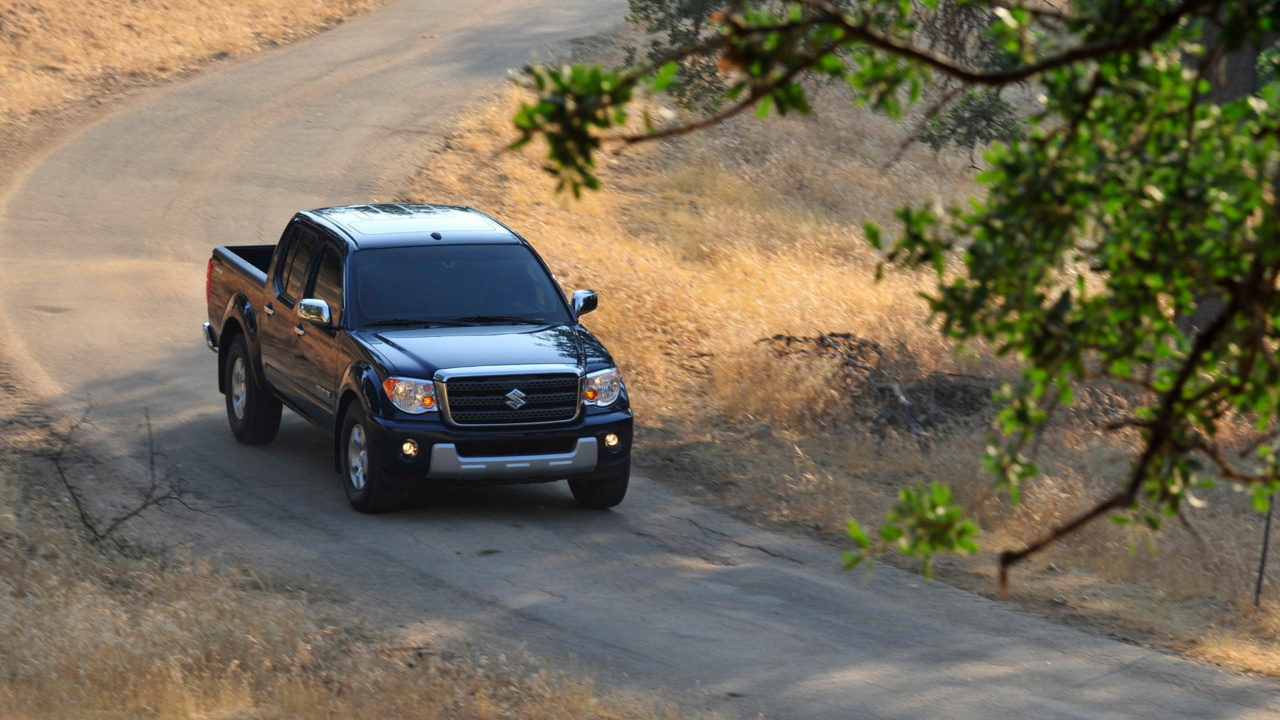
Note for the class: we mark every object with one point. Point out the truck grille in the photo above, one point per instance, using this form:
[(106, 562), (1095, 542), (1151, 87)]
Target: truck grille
[(489, 399)]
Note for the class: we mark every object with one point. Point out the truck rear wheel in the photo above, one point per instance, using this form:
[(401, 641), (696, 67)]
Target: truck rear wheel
[(602, 493), (367, 488), (254, 414)]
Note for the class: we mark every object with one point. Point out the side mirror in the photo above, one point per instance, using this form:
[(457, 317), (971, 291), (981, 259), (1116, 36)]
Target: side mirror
[(584, 301), (315, 311)]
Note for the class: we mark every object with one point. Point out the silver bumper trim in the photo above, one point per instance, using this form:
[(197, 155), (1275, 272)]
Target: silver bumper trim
[(446, 465), (209, 339)]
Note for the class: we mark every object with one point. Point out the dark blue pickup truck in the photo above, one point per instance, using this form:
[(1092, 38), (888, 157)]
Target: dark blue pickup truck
[(434, 345)]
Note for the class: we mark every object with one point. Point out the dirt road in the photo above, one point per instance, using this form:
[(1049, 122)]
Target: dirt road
[(103, 243)]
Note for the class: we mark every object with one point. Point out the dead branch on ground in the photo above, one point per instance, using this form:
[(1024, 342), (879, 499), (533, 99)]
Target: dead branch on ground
[(865, 357), (158, 491)]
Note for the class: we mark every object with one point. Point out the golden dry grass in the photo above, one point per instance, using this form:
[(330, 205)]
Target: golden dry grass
[(703, 246), (54, 52), (698, 261)]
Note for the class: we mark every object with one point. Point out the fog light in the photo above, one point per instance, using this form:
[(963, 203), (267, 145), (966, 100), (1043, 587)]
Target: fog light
[(409, 448), (611, 440)]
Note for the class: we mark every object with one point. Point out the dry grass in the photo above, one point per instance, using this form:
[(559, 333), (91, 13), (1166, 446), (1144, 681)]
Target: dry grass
[(87, 633), (704, 246), (714, 257), (54, 52)]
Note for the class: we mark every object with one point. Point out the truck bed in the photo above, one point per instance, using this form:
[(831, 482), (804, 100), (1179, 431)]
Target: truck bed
[(236, 269), (252, 261)]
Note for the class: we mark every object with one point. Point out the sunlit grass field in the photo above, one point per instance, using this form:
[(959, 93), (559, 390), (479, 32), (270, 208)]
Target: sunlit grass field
[(55, 52)]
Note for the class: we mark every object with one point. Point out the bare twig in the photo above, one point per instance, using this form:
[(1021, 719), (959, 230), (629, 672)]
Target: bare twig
[(57, 459), (1185, 522), (156, 493)]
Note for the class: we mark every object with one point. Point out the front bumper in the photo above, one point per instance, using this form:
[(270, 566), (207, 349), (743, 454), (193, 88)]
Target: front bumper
[(448, 455), (446, 464)]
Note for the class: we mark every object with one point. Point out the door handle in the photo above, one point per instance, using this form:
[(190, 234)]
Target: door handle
[(268, 310), (299, 329)]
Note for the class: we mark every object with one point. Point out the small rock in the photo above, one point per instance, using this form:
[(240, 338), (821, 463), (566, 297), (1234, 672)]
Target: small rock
[(1052, 567), (1059, 600)]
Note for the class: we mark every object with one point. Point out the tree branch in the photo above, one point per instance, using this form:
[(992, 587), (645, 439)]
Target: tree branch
[(1161, 429), (863, 32), (72, 491), (752, 98)]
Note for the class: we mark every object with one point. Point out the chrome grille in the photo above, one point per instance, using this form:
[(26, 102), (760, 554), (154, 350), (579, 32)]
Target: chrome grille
[(489, 400)]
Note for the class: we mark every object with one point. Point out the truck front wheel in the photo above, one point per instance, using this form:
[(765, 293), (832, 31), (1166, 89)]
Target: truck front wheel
[(253, 412), (602, 493), (363, 477)]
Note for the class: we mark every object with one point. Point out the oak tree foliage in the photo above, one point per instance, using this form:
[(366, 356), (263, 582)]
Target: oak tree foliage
[(973, 120), (1129, 197), (673, 24), (979, 116), (1268, 70), (977, 119)]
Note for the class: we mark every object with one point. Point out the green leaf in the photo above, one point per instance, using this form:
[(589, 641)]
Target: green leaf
[(858, 535), (662, 79), (766, 103)]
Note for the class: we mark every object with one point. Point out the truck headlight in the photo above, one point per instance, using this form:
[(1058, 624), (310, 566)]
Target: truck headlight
[(602, 388), (411, 396)]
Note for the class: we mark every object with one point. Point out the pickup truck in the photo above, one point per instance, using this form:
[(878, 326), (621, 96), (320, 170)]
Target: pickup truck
[(434, 345)]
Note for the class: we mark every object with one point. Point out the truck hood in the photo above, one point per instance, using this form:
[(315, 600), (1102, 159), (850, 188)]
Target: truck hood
[(421, 352)]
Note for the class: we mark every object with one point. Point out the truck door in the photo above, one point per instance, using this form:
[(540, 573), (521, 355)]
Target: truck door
[(316, 360), (280, 314)]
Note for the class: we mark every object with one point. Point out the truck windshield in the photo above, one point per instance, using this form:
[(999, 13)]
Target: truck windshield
[(455, 284)]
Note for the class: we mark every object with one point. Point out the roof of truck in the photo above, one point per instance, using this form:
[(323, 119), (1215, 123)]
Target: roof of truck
[(400, 224)]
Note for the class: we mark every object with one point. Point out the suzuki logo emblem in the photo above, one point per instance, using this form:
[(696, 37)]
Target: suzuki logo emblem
[(516, 400)]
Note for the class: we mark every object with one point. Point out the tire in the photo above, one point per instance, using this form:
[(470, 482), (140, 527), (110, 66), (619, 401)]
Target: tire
[(362, 475), (254, 413), (602, 493)]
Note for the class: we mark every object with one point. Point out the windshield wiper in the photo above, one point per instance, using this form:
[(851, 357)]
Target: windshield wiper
[(415, 321), (494, 319)]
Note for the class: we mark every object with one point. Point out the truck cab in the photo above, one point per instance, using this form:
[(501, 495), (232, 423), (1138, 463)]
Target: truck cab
[(431, 341)]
